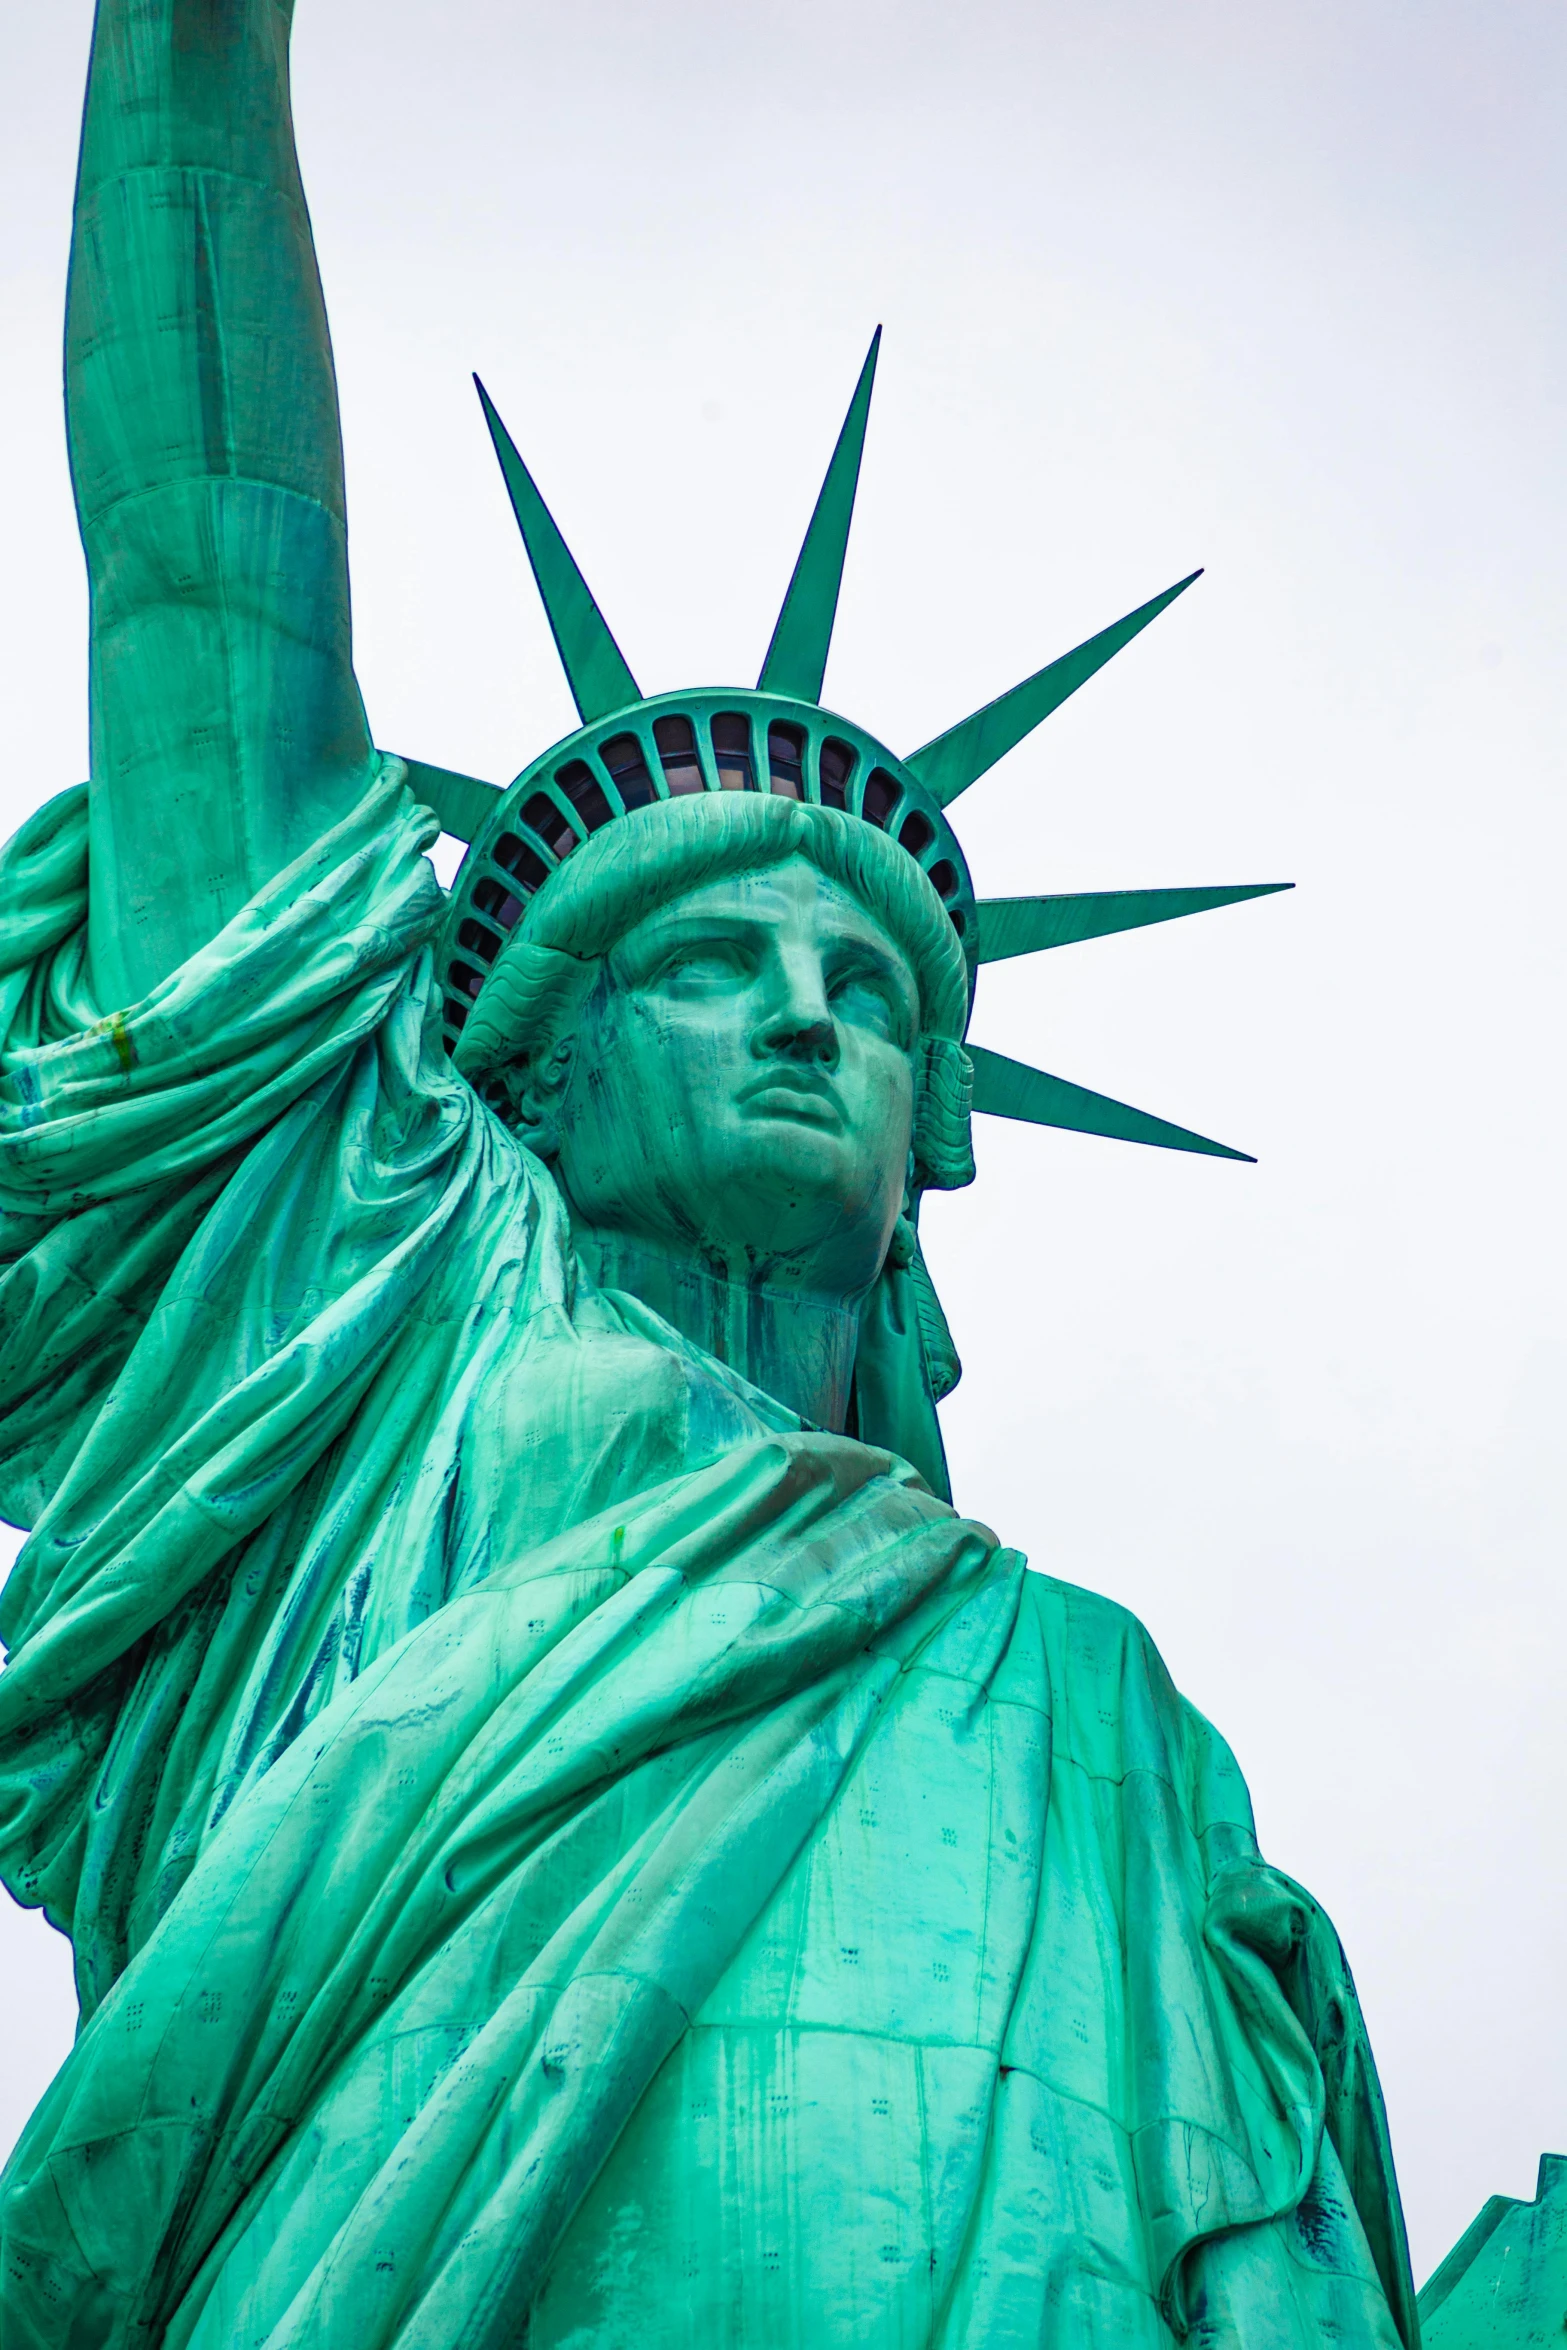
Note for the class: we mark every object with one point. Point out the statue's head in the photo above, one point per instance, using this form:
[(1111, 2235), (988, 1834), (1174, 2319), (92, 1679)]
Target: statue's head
[(732, 1027), (713, 957)]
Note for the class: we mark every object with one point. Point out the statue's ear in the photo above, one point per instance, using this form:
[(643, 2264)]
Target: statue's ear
[(536, 1087), (943, 1101)]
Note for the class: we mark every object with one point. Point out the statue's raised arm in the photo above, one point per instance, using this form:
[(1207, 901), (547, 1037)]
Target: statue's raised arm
[(227, 730)]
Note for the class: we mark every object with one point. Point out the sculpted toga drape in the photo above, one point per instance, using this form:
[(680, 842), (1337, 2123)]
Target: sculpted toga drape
[(543, 1832), (556, 1849)]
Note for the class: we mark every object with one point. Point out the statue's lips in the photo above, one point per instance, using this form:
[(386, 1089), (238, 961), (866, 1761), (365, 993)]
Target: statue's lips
[(783, 1093)]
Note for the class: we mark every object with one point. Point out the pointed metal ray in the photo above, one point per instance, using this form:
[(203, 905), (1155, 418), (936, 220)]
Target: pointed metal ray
[(959, 757), (462, 802), (1010, 1089), (594, 664), (797, 657), (1027, 926)]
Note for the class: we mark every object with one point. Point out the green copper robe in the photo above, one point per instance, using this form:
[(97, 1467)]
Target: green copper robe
[(556, 1850)]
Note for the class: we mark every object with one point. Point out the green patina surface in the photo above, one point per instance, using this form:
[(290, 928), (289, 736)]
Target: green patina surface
[(1504, 2284), (567, 1835)]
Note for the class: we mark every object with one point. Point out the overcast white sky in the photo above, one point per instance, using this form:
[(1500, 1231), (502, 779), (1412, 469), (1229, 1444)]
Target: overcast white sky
[(1275, 289)]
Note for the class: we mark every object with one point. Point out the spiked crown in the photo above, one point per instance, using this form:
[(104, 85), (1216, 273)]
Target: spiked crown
[(632, 750)]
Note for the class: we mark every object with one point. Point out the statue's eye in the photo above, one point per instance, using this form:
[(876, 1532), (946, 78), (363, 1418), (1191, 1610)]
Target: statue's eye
[(704, 966), (868, 997)]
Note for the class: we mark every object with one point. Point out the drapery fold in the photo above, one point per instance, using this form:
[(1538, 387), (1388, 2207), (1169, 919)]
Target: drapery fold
[(273, 1138)]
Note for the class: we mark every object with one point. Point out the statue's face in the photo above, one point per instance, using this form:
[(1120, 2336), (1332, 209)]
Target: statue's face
[(740, 1084)]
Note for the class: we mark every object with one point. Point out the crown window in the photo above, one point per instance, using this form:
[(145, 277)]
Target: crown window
[(732, 749), (916, 834), (464, 976), (456, 1013), (881, 797), (543, 817), (676, 740), (628, 771), (944, 879), (835, 767), (518, 859), (586, 794), (479, 939), (493, 898), (786, 761)]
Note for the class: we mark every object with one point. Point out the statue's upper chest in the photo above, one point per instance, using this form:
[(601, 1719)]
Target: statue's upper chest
[(581, 1412)]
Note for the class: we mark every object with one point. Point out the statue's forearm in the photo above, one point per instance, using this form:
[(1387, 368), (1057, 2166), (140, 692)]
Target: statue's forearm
[(227, 731)]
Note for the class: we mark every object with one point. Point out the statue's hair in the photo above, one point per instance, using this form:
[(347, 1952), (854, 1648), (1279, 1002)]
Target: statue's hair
[(646, 860)]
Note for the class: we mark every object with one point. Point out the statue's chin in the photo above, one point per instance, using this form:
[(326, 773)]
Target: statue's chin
[(793, 1187), (767, 1195)]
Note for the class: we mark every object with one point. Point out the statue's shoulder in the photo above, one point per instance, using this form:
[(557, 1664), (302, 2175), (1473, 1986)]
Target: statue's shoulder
[(1116, 1710), (1097, 1633)]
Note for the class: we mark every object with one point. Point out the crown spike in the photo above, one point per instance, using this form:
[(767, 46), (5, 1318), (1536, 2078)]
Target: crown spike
[(595, 667), (463, 804), (1027, 926), (1010, 1089), (959, 757), (797, 657)]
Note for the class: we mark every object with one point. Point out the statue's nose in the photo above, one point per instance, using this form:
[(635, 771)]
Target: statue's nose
[(798, 1035), (798, 1024)]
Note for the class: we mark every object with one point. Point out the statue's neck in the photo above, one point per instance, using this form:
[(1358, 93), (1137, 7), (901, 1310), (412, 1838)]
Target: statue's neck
[(795, 1346)]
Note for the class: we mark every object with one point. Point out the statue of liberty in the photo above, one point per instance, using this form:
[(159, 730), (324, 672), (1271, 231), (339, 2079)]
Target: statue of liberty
[(567, 1836)]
